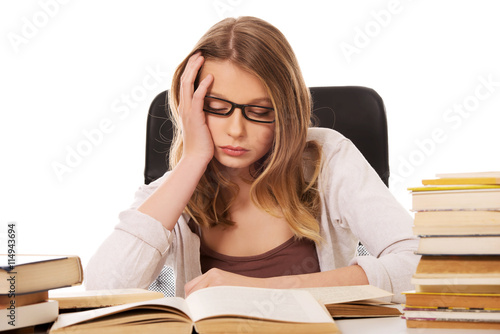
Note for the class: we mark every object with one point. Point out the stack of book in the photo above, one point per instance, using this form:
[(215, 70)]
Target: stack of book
[(25, 281), (457, 281)]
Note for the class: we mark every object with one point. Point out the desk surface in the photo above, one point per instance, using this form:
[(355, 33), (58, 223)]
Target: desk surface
[(395, 325), (390, 325)]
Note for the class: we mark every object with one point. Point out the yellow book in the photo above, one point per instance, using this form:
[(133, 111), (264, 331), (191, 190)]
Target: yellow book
[(450, 187), (462, 180)]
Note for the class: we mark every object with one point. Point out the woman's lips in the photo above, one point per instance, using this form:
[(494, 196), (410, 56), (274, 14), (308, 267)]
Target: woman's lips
[(233, 151)]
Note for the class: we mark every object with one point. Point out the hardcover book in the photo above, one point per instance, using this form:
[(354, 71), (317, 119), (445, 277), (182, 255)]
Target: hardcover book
[(32, 273), (459, 274), (458, 222), (28, 315), (451, 314), (356, 301), (23, 299), (460, 245), (434, 323), (461, 197), (89, 299), (453, 300)]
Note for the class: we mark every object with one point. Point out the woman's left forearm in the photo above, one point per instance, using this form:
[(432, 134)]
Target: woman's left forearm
[(351, 275)]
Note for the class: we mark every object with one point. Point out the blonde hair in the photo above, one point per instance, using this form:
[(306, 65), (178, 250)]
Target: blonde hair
[(280, 186)]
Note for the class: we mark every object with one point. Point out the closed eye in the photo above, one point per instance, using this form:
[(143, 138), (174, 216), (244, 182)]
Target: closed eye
[(260, 112), (216, 106), (221, 110)]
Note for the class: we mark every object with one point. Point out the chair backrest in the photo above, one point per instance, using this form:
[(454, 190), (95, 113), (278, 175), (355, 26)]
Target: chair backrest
[(356, 112)]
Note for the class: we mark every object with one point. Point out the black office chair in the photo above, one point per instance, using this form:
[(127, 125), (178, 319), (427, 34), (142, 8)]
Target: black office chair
[(356, 112)]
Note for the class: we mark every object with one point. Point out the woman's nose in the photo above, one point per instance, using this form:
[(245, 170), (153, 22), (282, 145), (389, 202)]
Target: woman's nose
[(236, 123)]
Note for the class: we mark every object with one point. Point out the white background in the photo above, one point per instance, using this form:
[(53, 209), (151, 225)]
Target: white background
[(68, 67)]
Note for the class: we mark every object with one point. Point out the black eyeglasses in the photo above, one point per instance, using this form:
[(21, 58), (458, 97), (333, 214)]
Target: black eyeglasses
[(221, 107)]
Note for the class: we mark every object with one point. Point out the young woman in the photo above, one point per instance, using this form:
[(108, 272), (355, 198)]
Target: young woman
[(254, 196)]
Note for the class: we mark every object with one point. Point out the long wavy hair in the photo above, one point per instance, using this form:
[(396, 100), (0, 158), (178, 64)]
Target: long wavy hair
[(281, 184)]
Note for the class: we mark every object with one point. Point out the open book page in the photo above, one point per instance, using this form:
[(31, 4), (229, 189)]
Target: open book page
[(345, 294), (271, 304), (101, 298), (69, 319)]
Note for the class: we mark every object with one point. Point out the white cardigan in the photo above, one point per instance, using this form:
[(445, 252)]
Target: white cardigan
[(356, 205)]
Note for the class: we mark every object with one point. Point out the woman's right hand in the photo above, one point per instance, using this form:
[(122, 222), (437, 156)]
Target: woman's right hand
[(197, 139)]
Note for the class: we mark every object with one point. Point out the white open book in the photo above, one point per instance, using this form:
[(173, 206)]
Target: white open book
[(209, 310)]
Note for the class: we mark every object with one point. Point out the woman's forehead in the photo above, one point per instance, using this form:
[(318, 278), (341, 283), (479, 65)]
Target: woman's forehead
[(234, 83)]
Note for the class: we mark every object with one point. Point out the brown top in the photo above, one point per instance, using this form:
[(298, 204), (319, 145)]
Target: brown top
[(293, 257)]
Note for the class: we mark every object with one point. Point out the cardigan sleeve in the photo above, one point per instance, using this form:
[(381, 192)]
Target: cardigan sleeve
[(362, 203), (135, 252)]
